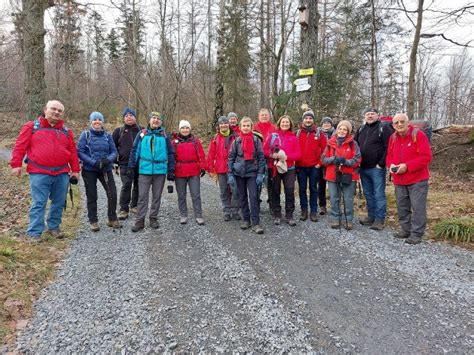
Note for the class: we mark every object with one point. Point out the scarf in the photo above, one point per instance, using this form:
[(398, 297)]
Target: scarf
[(247, 145), (225, 133)]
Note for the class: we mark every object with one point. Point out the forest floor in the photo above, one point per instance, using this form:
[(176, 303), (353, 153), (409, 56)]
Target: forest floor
[(25, 270)]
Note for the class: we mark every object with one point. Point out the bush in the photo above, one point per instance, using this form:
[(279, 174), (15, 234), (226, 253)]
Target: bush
[(458, 229)]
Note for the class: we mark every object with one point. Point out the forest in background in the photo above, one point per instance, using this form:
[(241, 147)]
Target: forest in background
[(201, 58)]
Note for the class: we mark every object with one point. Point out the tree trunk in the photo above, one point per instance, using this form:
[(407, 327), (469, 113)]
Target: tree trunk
[(309, 50), (413, 55), (30, 26), (219, 93), (373, 59)]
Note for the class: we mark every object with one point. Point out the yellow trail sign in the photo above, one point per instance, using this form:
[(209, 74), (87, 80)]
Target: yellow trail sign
[(309, 71)]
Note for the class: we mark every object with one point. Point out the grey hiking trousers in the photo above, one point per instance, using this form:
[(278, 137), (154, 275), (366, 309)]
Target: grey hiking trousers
[(194, 183), (411, 207), (229, 195), (156, 182)]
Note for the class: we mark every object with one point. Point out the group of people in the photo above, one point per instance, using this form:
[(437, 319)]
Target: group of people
[(241, 157)]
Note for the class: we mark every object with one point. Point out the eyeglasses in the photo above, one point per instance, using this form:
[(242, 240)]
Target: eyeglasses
[(399, 122)]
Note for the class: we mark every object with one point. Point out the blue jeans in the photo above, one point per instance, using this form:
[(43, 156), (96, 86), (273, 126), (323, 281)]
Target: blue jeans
[(312, 174), (337, 212), (42, 187), (373, 183)]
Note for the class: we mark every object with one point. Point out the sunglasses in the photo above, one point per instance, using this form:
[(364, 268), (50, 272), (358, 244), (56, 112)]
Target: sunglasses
[(399, 122)]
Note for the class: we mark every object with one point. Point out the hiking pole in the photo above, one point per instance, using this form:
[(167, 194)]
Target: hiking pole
[(344, 203)]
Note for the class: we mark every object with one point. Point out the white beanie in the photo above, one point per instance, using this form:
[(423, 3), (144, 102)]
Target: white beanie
[(184, 123)]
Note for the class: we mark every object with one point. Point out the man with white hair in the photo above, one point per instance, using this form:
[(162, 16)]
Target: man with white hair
[(52, 160)]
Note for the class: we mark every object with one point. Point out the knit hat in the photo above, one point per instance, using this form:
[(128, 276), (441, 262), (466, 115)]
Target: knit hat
[(308, 113), (326, 120), (223, 119), (347, 124), (370, 109), (184, 123), (154, 114), (96, 116), (128, 110), (232, 114)]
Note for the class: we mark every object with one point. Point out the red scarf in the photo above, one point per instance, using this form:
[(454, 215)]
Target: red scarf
[(247, 145)]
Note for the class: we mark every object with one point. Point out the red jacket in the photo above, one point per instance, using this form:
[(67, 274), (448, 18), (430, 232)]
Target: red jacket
[(265, 128), (235, 129), (218, 153), (49, 150), (189, 155), (312, 144), (415, 153), (349, 150), (286, 141)]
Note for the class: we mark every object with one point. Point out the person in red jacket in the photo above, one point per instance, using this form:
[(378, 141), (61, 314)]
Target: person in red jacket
[(52, 161), (408, 157), (190, 167), (233, 122), (309, 166), (282, 150), (342, 158), (217, 158), (265, 127)]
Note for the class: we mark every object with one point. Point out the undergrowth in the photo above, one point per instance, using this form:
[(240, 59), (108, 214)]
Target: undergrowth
[(459, 229)]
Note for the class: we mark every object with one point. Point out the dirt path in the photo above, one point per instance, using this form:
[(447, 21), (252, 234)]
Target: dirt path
[(217, 288)]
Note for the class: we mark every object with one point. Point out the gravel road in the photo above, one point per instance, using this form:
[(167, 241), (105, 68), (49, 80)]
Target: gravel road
[(216, 288)]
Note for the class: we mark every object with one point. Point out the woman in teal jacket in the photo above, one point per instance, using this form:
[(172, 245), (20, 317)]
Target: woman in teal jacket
[(153, 153)]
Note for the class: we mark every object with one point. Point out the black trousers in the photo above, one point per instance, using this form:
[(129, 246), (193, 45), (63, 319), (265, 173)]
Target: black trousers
[(108, 182), (288, 180), (129, 191)]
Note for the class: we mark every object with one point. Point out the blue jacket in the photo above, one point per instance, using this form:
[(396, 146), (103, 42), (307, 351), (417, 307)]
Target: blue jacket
[(152, 152), (95, 145), (246, 168)]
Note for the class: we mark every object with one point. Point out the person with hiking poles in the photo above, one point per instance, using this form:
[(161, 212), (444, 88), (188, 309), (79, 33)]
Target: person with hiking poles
[(246, 170), (282, 149), (408, 158), (327, 129), (309, 167), (190, 165), (342, 158), (372, 138), (97, 153), (52, 162), (217, 159), (124, 137)]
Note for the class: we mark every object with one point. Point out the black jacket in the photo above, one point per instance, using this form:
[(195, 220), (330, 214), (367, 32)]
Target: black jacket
[(124, 137), (373, 142)]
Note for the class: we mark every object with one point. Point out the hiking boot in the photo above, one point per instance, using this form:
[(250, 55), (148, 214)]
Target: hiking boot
[(134, 210), (401, 234), (122, 215), (335, 225), (367, 221), (313, 216), (95, 227), (277, 221), (227, 217), (304, 215), (413, 239), (56, 233), (291, 221), (257, 229), (114, 224), (349, 226), (30, 239), (236, 216), (154, 223), (377, 225), (323, 211), (200, 221), (183, 220), (245, 225), (138, 226)]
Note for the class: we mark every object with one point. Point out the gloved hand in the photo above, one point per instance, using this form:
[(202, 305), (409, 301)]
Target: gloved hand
[(130, 172), (339, 160), (203, 172), (105, 163), (73, 180), (99, 164), (231, 179), (170, 176), (116, 168), (260, 178)]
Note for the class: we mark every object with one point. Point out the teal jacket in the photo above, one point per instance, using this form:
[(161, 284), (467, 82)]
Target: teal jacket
[(152, 152)]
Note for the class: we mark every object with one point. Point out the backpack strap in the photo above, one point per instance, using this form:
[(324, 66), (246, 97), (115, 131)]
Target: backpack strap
[(37, 127)]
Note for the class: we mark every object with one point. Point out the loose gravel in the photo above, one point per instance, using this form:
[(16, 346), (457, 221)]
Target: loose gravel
[(215, 288)]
